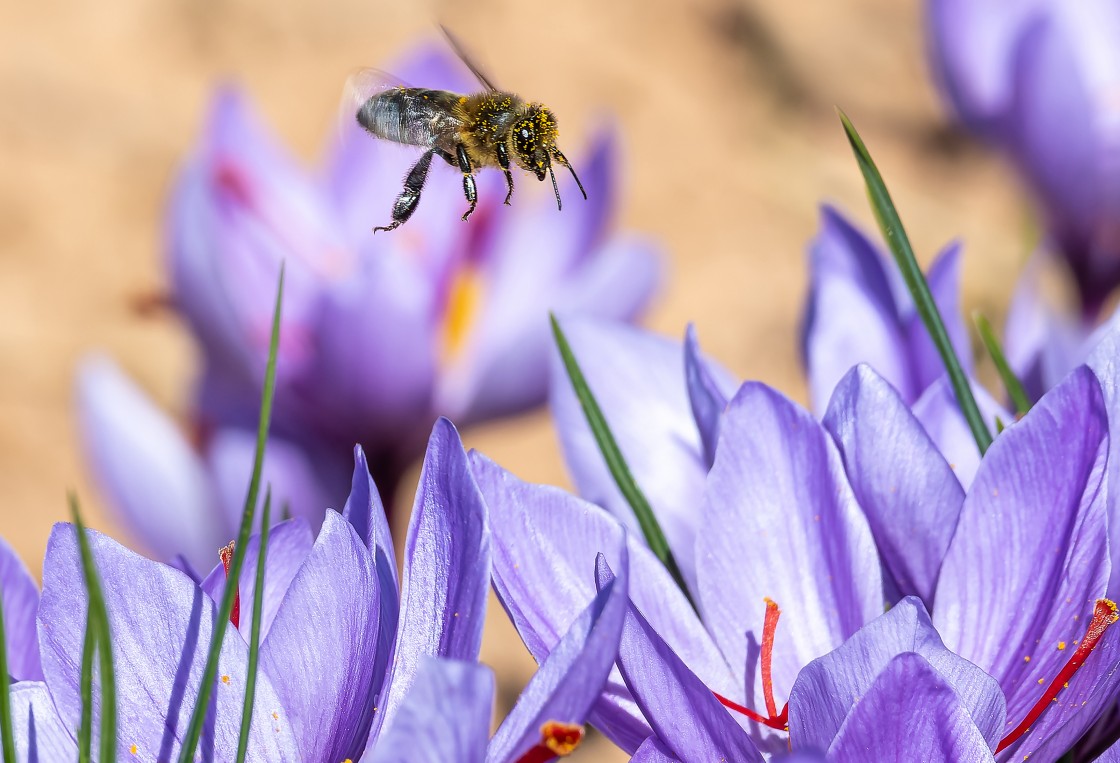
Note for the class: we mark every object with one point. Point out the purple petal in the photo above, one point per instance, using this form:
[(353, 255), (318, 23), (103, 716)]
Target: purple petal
[(829, 687), (545, 545), (446, 568), (902, 482), (852, 316), (710, 388), (571, 677), (780, 522), (153, 480), (321, 651), (20, 596), (1030, 554), (445, 716), (40, 735), (161, 625), (1111, 755), (944, 278), (653, 751), (638, 379), (1041, 342), (940, 414), (287, 470), (910, 713), (683, 712), (1105, 362), (366, 513), (289, 544)]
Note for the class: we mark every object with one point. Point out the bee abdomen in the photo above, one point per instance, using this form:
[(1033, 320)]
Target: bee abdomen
[(413, 116)]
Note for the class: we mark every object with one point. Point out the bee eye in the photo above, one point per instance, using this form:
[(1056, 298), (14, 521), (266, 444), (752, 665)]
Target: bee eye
[(524, 133)]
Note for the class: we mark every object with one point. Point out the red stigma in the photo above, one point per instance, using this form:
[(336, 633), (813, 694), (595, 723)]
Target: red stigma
[(226, 555), (230, 179), (773, 718), (1104, 615), (557, 741)]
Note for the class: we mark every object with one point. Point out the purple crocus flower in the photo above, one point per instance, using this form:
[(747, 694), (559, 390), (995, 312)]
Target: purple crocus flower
[(384, 332), (341, 644), (826, 522), (1038, 80), (859, 311), (445, 717), (21, 601)]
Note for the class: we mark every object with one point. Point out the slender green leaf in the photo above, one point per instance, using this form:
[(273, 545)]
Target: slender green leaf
[(210, 672), (891, 226), (85, 724), (9, 741), (98, 623), (255, 636), (1011, 382), (1000, 426), (620, 471)]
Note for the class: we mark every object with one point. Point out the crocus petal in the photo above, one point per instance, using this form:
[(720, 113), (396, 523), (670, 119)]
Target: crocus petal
[(1105, 362), (910, 713), (1030, 552), (322, 647), (638, 379), (829, 687), (940, 414), (20, 596), (570, 679), (446, 568), (778, 500), (289, 544), (152, 477), (445, 716), (683, 712), (944, 279), (286, 470), (852, 316), (545, 545), (40, 735), (710, 388), (902, 482), (161, 626), (653, 751), (1111, 755)]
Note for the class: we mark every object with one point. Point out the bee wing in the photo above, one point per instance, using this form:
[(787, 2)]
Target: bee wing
[(461, 52), (361, 85)]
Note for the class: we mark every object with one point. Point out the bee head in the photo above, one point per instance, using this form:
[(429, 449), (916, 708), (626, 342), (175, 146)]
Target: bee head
[(532, 139)]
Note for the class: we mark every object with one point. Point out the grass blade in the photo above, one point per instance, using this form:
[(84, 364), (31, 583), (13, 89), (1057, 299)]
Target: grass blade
[(1011, 382), (98, 623), (620, 471), (85, 725), (210, 672), (9, 741), (891, 226), (255, 637)]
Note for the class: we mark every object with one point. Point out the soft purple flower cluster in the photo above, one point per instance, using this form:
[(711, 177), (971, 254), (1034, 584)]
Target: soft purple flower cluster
[(381, 333)]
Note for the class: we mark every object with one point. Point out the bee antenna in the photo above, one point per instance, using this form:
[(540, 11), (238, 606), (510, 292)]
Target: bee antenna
[(564, 160), (555, 188)]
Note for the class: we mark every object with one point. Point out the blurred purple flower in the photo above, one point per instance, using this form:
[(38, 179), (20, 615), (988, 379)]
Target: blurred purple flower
[(859, 311), (829, 521), (384, 332), (1039, 80), (341, 643)]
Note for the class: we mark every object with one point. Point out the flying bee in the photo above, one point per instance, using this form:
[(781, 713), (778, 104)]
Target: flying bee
[(492, 128)]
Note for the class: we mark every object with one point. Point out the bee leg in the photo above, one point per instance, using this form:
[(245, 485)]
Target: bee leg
[(469, 188), (503, 162), (406, 202)]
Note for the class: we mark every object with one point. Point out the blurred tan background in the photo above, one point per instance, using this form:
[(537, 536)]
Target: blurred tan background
[(729, 136)]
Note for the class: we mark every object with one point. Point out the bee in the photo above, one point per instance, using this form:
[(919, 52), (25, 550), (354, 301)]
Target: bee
[(492, 128)]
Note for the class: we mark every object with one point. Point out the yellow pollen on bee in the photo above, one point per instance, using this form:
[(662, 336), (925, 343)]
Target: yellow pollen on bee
[(463, 300)]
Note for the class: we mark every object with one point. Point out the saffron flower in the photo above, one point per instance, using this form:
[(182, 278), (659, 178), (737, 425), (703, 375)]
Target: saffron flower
[(1038, 81), (341, 643), (381, 333), (822, 524)]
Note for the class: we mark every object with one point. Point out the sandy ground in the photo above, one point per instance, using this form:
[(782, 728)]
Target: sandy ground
[(731, 142)]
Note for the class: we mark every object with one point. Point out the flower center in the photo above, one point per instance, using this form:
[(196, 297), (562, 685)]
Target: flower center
[(557, 740), (226, 555), (773, 718), (463, 300), (1104, 615)]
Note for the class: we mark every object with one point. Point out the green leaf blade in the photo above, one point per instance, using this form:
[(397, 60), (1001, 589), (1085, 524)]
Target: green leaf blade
[(1010, 381), (9, 741), (255, 637)]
